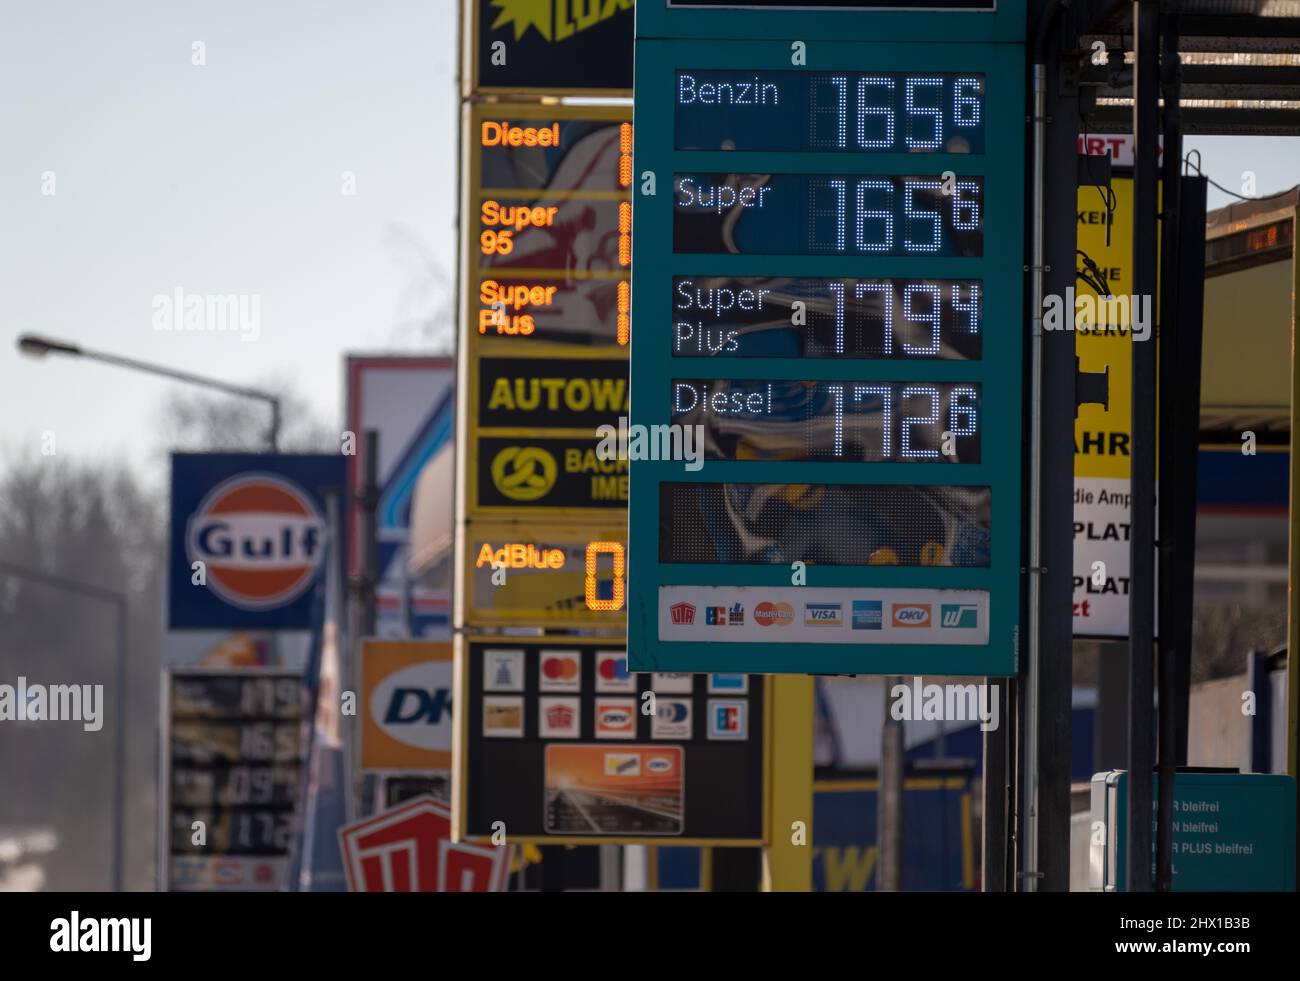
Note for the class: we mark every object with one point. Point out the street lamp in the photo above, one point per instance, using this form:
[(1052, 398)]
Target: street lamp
[(38, 347), (119, 724)]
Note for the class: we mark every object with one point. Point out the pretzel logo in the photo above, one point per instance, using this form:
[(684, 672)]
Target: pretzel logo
[(523, 473)]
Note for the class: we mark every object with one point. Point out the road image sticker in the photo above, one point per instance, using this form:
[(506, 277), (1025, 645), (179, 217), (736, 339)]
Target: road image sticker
[(632, 790)]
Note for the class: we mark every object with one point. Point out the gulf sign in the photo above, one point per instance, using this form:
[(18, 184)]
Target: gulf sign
[(249, 539), (406, 705)]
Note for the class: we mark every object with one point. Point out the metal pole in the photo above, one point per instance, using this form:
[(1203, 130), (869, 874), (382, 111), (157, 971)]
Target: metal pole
[(1029, 862), (1191, 303), (889, 802), (993, 855), (370, 537), (274, 437), (40, 346), (1172, 422), (119, 754), (1043, 396), (1146, 95)]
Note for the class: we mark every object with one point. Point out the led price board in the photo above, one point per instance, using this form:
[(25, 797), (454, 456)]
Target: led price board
[(546, 574), (545, 324), (599, 754), (749, 317), (829, 214), (233, 751), (547, 247), (856, 112), (828, 307), (834, 421)]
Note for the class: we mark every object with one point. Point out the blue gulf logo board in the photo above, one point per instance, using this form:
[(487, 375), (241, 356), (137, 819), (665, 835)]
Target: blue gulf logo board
[(257, 524)]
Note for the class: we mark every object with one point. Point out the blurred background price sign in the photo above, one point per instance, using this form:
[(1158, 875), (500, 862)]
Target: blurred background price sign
[(233, 752), (828, 287)]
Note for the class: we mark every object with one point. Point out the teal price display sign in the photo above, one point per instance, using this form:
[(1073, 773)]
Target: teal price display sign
[(1232, 832), (828, 359)]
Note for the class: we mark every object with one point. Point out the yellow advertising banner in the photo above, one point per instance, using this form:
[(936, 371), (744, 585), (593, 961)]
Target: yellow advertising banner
[(1102, 434)]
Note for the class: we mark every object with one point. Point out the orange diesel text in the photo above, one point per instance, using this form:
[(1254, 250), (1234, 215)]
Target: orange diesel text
[(503, 134)]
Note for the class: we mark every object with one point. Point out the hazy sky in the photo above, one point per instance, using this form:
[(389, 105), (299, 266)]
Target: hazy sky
[(223, 178), (226, 178)]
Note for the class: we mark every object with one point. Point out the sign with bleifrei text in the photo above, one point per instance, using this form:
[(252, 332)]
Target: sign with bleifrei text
[(599, 754), (1232, 832), (828, 284)]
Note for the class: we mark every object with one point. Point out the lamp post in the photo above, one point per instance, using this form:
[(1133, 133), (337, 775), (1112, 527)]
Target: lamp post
[(119, 723), (37, 346)]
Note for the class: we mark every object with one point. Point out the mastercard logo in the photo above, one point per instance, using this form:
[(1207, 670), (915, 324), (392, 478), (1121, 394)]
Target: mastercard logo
[(774, 614), (260, 538), (560, 668)]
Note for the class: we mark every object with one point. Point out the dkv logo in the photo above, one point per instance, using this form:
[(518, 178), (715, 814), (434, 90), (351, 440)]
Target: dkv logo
[(260, 537), (911, 614), (413, 705)]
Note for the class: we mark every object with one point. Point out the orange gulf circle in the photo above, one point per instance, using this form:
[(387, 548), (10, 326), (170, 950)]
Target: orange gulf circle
[(246, 496)]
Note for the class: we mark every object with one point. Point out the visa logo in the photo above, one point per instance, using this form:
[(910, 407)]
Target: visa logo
[(822, 614)]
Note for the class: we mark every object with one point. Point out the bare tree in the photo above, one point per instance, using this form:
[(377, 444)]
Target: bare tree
[(426, 312), (198, 421)]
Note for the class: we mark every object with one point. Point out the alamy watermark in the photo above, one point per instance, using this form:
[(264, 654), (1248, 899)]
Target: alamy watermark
[(639, 442), (102, 934), (239, 313), (53, 703), (949, 702), (1090, 314)]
